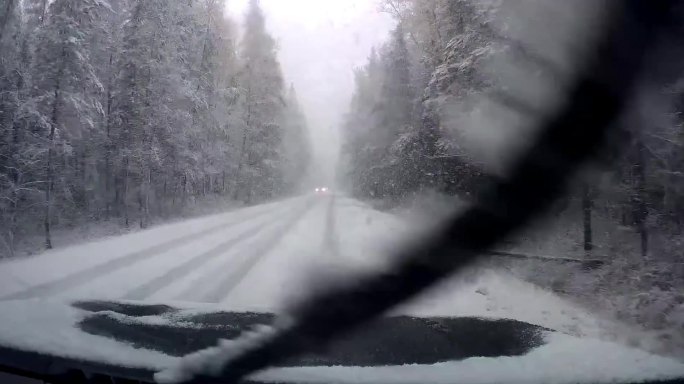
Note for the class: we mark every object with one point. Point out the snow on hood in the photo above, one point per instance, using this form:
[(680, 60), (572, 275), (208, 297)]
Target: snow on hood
[(50, 327), (564, 360)]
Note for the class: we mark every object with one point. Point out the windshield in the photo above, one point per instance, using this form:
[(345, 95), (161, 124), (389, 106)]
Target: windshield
[(174, 173)]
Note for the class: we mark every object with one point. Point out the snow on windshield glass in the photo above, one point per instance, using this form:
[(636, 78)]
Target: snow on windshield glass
[(173, 173)]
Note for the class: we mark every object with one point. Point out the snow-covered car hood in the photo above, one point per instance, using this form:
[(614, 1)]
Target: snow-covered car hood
[(134, 340)]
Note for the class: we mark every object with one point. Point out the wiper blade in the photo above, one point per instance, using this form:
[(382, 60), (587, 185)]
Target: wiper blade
[(567, 139)]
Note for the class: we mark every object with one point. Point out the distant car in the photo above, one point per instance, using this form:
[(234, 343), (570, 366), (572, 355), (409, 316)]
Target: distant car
[(322, 191)]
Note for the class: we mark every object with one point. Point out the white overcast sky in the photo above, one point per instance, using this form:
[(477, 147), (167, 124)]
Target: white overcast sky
[(320, 43)]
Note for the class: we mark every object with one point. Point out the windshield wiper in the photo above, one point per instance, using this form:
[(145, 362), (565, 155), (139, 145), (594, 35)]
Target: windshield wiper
[(566, 140)]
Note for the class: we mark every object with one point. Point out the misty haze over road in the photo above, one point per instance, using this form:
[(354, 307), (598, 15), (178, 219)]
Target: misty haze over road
[(320, 44)]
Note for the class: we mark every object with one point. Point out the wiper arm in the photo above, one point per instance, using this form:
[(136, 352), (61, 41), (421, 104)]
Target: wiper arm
[(565, 141)]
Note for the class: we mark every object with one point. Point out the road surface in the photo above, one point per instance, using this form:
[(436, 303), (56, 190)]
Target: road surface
[(261, 258), (248, 257), (142, 300)]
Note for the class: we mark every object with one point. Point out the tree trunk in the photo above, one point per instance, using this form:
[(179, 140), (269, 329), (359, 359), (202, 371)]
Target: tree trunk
[(107, 187), (108, 143), (124, 197), (140, 204), (14, 198), (43, 11), (249, 188), (587, 205), (49, 175), (184, 193), (117, 194), (49, 172), (6, 16), (243, 148), (15, 177), (84, 179), (238, 173), (174, 193), (146, 175), (148, 190), (142, 192)]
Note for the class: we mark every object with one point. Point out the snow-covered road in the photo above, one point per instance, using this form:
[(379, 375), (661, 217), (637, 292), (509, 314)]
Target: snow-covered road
[(263, 257), (260, 259), (244, 258)]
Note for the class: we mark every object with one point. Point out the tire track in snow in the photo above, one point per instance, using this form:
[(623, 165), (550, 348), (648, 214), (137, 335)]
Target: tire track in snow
[(330, 244), (84, 276), (231, 278), (180, 271), (194, 291)]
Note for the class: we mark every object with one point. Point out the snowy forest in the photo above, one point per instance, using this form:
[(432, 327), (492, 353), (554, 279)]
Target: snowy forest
[(407, 132), (131, 110)]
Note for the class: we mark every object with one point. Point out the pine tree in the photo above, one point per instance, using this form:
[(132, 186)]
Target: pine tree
[(135, 109), (64, 81), (10, 30), (384, 149), (11, 87), (296, 153), (259, 174), (108, 50), (155, 101), (398, 117), (362, 150)]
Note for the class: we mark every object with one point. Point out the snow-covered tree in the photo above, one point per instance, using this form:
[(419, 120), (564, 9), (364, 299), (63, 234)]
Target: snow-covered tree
[(296, 152), (259, 173), (384, 144), (472, 63), (359, 153), (64, 83), (11, 88), (133, 110)]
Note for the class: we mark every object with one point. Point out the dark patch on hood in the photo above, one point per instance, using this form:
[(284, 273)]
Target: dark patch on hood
[(390, 341)]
